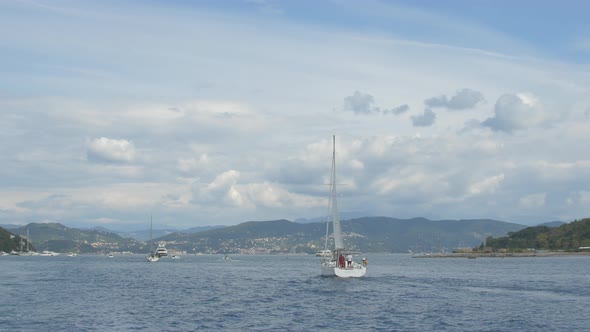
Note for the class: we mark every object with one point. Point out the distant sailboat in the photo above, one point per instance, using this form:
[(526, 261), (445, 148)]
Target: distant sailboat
[(152, 256), (337, 264), (29, 252)]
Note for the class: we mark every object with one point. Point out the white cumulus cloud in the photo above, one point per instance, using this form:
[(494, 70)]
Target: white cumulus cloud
[(518, 111), (110, 150)]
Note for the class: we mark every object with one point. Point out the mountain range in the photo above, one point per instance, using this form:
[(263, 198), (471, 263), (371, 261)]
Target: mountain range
[(367, 234)]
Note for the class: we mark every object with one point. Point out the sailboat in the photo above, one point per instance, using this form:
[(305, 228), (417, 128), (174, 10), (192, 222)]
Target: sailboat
[(336, 264), (152, 256), (29, 252)]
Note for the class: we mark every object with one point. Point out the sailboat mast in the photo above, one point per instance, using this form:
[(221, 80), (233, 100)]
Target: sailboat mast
[(338, 243), (327, 225), (151, 238)]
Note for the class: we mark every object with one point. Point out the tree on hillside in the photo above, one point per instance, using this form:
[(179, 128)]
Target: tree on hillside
[(570, 236)]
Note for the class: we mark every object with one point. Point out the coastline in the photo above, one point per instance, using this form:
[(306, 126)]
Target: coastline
[(503, 255)]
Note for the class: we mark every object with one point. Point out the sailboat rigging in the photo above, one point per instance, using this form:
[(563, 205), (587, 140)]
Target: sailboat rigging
[(152, 256), (340, 263)]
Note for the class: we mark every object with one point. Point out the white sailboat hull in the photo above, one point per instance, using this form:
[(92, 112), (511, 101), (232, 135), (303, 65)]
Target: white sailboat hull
[(355, 272), (153, 259), (49, 253), (330, 269)]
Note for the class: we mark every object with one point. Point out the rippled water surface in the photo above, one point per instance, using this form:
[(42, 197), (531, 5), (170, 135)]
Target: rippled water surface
[(206, 293)]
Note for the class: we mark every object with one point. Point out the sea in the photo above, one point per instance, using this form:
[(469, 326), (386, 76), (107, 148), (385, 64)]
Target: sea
[(287, 293)]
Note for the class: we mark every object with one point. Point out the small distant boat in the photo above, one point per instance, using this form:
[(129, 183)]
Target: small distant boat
[(48, 253), (72, 254), (175, 257), (152, 257), (338, 264), (324, 253)]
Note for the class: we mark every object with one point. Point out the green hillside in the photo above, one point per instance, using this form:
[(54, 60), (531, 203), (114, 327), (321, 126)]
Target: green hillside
[(57, 237), (10, 241), (569, 237)]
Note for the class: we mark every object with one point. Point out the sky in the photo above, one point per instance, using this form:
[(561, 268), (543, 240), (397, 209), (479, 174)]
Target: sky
[(220, 112)]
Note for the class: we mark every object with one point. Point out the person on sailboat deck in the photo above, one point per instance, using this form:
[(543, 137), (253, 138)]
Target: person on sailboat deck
[(349, 260), (365, 261), (341, 261)]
